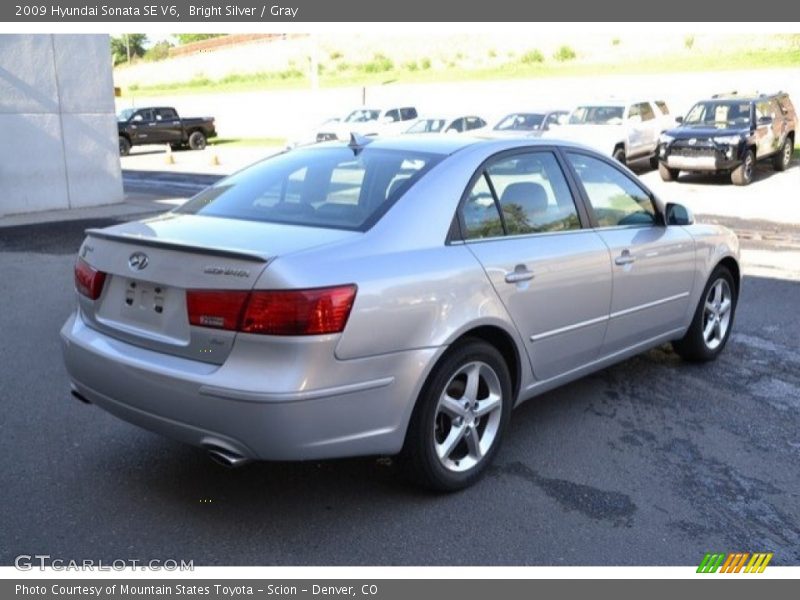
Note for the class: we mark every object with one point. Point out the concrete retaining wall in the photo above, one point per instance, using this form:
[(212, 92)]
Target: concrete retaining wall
[(58, 138)]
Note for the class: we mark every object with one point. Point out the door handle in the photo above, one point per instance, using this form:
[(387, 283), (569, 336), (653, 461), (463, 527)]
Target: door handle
[(626, 258), (519, 274)]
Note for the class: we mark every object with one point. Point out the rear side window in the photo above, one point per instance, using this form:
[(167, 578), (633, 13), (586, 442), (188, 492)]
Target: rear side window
[(319, 187), (662, 106), (408, 113), (393, 115), (519, 195), (166, 114), (615, 198)]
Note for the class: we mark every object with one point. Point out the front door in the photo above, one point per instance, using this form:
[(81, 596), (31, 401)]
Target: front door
[(653, 265), (552, 275)]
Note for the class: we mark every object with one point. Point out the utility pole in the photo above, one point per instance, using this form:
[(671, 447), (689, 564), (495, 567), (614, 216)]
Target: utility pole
[(128, 46)]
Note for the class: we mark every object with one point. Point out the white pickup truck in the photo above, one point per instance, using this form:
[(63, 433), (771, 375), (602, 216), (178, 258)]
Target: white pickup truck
[(626, 130)]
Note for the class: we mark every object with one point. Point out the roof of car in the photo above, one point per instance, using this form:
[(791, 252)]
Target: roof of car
[(746, 96), (448, 144)]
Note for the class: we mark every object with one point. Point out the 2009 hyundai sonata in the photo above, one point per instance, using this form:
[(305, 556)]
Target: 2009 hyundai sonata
[(396, 296)]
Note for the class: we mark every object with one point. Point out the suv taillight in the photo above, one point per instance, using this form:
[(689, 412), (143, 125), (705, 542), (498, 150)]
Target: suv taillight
[(275, 312), (88, 280)]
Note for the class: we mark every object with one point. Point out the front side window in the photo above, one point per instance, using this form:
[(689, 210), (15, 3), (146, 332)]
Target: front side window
[(529, 190), (457, 125), (646, 111), (662, 106), (392, 115), (408, 113), (427, 126), (615, 198), (318, 187), (362, 115)]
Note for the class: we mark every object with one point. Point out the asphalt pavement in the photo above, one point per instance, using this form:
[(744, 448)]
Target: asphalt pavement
[(650, 462)]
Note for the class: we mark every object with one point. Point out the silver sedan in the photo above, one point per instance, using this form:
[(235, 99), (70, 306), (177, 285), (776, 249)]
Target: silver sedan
[(389, 297)]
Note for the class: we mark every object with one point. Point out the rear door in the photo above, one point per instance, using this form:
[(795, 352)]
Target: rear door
[(653, 265), (553, 275), (168, 126)]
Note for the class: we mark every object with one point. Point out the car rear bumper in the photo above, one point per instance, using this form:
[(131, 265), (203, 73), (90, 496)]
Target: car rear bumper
[(194, 402)]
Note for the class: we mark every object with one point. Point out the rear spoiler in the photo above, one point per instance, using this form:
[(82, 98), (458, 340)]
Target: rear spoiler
[(176, 245)]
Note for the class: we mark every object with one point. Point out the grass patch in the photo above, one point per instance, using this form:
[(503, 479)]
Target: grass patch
[(382, 69), (247, 142), (796, 152)]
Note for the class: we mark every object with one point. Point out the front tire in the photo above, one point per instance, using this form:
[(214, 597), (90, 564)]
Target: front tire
[(743, 174), (197, 140), (619, 154), (784, 157), (713, 319), (460, 417), (666, 173), (124, 146)]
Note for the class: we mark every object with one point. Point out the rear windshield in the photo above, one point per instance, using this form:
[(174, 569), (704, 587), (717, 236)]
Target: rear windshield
[(336, 187)]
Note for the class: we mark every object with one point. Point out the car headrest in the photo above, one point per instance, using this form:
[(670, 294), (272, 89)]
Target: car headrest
[(529, 195)]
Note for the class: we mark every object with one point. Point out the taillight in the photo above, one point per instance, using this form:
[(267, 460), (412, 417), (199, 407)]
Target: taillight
[(299, 312), (276, 312), (218, 309), (88, 280)]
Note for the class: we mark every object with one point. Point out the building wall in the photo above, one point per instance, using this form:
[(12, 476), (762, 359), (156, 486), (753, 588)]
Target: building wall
[(58, 137)]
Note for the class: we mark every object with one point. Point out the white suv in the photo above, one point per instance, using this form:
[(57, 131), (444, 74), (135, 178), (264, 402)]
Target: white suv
[(626, 130), (369, 121)]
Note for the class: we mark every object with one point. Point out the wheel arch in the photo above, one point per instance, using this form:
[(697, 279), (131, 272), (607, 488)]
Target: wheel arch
[(732, 265)]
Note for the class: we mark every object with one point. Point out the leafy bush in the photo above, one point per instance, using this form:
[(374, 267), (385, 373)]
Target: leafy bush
[(379, 64), (531, 57), (425, 63), (158, 51), (615, 42), (564, 53), (411, 66), (336, 55), (492, 53), (688, 42)]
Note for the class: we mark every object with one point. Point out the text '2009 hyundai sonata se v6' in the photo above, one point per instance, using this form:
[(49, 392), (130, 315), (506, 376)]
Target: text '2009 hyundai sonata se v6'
[(385, 297)]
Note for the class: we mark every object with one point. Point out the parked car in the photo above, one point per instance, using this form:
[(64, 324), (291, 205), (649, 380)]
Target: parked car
[(369, 121), (162, 125), (389, 296), (528, 124), (466, 123), (625, 130), (729, 133)]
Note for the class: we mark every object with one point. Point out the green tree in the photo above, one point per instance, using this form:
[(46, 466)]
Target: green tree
[(158, 51), (127, 45), (188, 38)]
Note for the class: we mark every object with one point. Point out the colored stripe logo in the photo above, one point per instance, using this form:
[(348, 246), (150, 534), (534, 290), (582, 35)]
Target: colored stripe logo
[(735, 562)]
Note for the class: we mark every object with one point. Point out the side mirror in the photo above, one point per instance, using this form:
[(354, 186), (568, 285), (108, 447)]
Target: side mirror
[(679, 120), (387, 119), (764, 121), (677, 214)]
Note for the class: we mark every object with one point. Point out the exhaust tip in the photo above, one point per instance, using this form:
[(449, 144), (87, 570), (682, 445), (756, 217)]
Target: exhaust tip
[(77, 395), (225, 457)]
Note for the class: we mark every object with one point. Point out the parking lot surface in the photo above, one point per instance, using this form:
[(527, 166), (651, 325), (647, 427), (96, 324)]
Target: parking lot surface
[(651, 462)]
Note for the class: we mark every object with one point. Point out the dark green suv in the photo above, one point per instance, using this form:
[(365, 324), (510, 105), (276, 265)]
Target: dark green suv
[(728, 133)]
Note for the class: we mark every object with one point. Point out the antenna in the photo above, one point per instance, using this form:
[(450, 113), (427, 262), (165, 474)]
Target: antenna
[(358, 141)]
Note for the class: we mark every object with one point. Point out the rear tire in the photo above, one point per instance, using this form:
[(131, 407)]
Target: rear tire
[(619, 154), (124, 146), (743, 174), (713, 319), (460, 417), (783, 158), (654, 162), (197, 140), (666, 173)]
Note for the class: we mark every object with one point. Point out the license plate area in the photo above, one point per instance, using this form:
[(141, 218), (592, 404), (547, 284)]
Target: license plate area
[(145, 302), (692, 162), (147, 309)]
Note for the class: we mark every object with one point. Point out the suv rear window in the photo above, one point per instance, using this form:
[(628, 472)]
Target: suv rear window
[(335, 187)]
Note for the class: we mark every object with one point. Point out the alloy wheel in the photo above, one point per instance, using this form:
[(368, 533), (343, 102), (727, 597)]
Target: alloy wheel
[(717, 313), (468, 416)]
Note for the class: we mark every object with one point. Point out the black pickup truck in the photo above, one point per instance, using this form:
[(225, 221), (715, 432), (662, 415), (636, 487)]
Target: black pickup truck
[(162, 125)]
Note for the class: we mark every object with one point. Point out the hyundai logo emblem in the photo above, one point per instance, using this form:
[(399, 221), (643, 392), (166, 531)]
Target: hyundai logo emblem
[(692, 141), (138, 261)]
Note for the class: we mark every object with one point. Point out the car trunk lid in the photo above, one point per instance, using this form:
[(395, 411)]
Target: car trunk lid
[(151, 264)]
